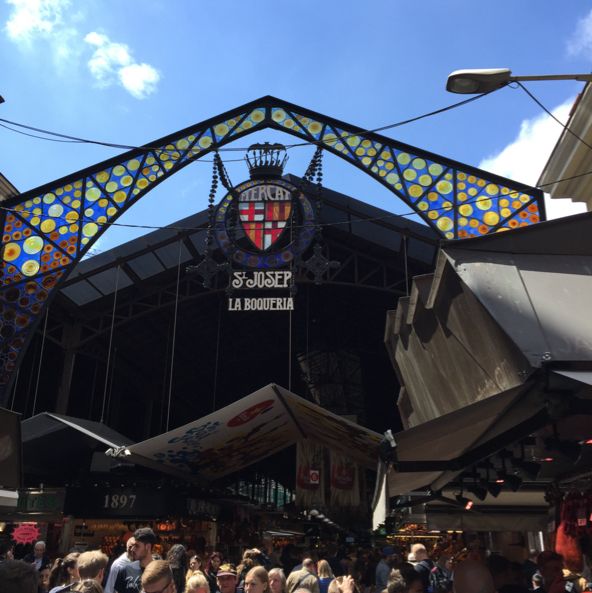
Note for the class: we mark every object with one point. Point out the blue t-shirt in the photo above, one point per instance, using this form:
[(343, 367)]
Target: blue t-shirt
[(324, 584)]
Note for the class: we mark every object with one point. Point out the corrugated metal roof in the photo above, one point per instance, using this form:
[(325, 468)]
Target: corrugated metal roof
[(158, 251)]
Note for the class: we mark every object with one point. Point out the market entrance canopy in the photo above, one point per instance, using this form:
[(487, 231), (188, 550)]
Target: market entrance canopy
[(47, 230), (251, 429)]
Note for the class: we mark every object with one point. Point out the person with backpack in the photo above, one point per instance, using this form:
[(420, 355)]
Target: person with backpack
[(423, 565), (441, 576)]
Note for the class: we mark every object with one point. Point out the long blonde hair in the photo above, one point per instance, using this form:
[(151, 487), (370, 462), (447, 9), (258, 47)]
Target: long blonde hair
[(324, 570), (197, 581), (260, 573)]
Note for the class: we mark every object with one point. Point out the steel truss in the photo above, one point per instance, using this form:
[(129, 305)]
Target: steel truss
[(47, 230)]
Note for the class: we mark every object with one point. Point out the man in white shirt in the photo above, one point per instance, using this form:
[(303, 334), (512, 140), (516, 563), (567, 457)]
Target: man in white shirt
[(118, 564)]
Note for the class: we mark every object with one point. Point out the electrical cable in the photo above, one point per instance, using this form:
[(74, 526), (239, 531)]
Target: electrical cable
[(577, 176), (174, 338), (38, 137), (75, 139), (449, 208), (70, 138), (552, 115), (40, 360), (110, 344), (372, 219), (18, 370), (403, 122), (429, 114)]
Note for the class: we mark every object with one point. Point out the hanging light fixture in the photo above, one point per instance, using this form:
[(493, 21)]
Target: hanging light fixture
[(569, 449), (492, 486), (529, 469), (467, 503), (505, 476)]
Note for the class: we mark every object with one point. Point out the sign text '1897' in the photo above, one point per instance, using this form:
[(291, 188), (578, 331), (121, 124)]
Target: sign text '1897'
[(119, 501)]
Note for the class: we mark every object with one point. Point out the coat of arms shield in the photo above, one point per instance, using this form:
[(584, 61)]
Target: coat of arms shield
[(264, 211)]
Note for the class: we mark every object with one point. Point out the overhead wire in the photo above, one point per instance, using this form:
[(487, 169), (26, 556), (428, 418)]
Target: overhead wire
[(553, 116), (60, 137), (447, 208), (67, 138), (37, 136)]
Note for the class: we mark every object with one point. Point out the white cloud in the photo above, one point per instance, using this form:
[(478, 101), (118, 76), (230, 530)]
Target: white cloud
[(48, 20), (580, 42), (30, 18), (113, 63), (524, 159), (139, 79), (55, 23)]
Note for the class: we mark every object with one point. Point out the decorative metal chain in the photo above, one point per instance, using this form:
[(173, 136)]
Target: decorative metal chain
[(318, 264), (223, 173), (319, 192), (208, 268), (314, 176), (232, 217), (211, 208), (315, 162)]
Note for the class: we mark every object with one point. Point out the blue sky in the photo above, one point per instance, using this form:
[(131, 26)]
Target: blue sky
[(130, 72)]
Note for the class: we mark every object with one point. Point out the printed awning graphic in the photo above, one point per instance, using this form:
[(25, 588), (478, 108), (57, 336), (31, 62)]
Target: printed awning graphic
[(251, 429)]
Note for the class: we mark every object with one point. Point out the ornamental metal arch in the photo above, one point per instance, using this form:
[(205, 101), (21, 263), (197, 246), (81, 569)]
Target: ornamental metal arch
[(47, 230)]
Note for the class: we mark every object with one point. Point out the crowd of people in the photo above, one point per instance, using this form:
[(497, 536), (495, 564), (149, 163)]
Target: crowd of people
[(138, 569)]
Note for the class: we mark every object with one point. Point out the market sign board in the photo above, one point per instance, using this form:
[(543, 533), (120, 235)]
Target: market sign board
[(258, 281), (41, 501), (252, 429), (26, 533), (264, 225), (101, 502)]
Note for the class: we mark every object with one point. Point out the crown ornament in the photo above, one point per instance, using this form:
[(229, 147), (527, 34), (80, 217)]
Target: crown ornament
[(266, 160)]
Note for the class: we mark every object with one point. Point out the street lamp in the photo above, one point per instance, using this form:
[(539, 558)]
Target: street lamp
[(468, 82)]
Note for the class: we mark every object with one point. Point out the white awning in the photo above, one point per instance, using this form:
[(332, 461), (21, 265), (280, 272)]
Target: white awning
[(252, 429), (8, 499), (45, 424)]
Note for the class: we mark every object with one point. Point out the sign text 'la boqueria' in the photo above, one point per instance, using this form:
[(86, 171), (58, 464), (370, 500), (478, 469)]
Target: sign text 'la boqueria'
[(269, 279), (261, 304)]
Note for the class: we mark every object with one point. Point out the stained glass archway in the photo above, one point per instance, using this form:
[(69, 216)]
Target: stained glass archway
[(47, 230)]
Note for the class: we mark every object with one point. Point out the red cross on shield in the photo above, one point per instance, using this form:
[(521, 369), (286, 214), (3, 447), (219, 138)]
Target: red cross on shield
[(264, 219)]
